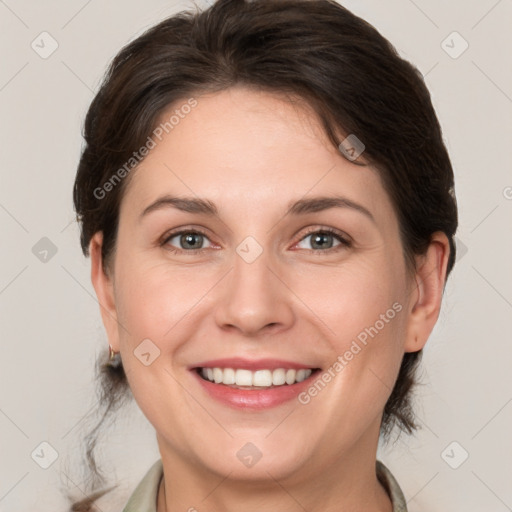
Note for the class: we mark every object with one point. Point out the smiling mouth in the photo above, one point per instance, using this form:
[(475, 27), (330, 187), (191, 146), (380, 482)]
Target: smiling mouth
[(238, 378)]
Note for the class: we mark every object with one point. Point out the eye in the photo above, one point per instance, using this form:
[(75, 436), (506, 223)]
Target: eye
[(191, 241), (323, 239)]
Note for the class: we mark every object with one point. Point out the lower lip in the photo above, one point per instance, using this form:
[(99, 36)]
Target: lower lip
[(254, 398)]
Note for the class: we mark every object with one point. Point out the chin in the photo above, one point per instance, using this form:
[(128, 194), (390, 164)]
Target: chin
[(260, 460)]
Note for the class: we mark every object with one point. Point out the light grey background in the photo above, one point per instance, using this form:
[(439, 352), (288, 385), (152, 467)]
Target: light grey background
[(51, 330)]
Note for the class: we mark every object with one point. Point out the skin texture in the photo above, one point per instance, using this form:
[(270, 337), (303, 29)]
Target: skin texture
[(252, 153)]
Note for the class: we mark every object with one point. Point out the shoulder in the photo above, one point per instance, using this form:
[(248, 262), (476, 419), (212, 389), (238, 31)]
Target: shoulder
[(143, 498), (396, 495)]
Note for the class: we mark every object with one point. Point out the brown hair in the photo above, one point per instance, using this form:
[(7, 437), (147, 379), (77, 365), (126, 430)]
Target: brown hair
[(315, 50)]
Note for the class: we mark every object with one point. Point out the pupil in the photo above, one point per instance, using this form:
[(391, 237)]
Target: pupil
[(189, 239), (321, 237)]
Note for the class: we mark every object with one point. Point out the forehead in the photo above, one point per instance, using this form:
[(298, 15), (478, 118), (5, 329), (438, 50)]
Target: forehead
[(256, 146)]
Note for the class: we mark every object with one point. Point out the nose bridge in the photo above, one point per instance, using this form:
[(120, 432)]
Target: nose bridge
[(254, 297)]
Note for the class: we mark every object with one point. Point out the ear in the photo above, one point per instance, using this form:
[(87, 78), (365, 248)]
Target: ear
[(427, 293), (103, 285)]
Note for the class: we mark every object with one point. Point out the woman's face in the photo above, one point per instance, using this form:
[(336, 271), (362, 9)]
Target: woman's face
[(258, 285)]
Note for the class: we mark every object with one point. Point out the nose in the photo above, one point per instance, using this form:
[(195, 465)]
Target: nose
[(255, 298)]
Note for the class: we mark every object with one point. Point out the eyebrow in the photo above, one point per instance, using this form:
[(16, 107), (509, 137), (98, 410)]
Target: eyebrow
[(300, 207)]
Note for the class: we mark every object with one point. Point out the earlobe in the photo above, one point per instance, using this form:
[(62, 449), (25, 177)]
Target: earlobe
[(430, 280), (103, 286)]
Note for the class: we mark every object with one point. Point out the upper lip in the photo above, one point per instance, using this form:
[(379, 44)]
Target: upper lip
[(251, 364)]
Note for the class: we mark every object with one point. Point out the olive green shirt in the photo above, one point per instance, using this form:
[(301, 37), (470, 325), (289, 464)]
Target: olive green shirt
[(144, 497)]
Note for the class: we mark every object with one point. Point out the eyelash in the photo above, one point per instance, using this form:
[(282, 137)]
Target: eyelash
[(344, 241)]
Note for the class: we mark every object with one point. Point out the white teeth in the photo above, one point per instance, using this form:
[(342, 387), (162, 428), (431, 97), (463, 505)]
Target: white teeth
[(258, 378), (262, 378), (301, 375), (243, 377), (217, 375), (278, 377), (290, 376), (229, 376)]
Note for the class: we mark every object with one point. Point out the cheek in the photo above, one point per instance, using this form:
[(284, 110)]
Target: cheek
[(365, 309), (151, 300), (355, 297), (150, 304)]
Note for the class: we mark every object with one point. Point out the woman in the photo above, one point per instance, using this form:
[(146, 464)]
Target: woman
[(269, 209)]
